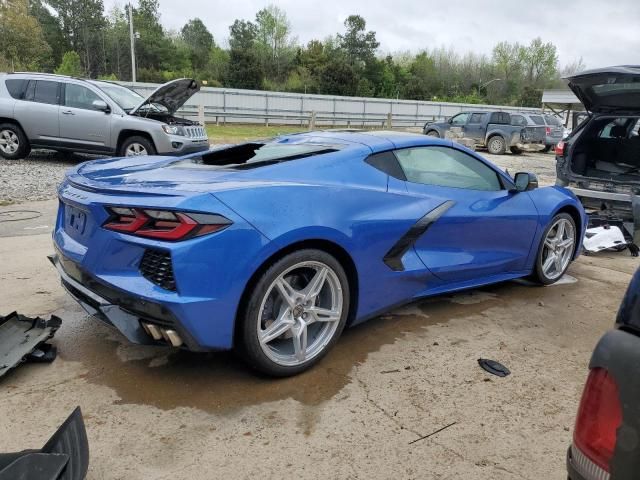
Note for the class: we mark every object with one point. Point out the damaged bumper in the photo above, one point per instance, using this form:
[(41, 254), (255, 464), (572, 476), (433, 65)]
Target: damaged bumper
[(141, 321), (612, 207)]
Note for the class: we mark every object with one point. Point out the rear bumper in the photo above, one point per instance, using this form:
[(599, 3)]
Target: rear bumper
[(572, 471), (119, 309)]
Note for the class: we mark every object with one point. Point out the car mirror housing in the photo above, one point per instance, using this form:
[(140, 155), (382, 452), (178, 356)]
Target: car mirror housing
[(525, 181), (101, 105)]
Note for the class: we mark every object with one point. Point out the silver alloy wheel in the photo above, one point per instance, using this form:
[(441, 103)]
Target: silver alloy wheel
[(558, 248), (135, 149), (300, 313), (495, 144), (9, 142)]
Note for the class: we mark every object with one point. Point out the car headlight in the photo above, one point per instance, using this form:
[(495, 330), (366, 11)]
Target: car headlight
[(173, 129)]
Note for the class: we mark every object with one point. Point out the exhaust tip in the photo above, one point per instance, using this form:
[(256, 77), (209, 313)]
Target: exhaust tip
[(166, 334), (174, 338), (153, 330)]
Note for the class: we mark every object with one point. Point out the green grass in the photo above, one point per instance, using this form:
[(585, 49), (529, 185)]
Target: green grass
[(233, 133)]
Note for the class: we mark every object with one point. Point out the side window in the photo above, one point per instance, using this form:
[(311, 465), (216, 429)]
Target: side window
[(615, 129), (31, 88), (460, 119), (77, 96), (447, 167), (476, 118), (16, 87), (46, 92), (500, 118), (518, 120)]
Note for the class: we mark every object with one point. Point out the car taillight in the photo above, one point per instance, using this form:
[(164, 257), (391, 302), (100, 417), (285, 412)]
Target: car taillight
[(560, 148), (599, 416), (548, 130), (163, 224)]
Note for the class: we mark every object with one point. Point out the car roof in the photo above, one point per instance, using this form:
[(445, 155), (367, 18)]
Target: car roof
[(376, 140)]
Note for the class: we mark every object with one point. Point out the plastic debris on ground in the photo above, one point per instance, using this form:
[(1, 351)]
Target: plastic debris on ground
[(24, 339)]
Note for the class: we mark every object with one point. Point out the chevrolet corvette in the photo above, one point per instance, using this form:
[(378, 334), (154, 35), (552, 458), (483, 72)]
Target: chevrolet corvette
[(272, 248)]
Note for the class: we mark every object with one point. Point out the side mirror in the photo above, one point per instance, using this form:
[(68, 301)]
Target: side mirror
[(101, 105), (525, 181)]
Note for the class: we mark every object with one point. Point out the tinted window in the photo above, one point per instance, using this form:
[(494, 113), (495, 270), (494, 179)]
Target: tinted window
[(518, 120), (500, 117), (16, 87), (46, 92), (476, 118), (446, 167), (460, 119), (31, 88), (537, 119), (77, 96), (551, 120)]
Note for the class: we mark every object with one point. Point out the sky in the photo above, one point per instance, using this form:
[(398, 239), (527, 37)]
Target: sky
[(600, 32)]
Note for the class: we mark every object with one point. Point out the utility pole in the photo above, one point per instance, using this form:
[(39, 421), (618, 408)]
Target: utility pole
[(133, 45)]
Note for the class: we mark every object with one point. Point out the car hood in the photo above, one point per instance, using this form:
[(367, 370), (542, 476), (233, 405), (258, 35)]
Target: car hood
[(171, 95), (608, 90)]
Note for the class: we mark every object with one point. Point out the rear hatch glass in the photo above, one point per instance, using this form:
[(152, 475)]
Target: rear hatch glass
[(607, 90)]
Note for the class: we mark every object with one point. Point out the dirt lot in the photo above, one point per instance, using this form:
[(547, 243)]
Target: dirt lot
[(161, 413)]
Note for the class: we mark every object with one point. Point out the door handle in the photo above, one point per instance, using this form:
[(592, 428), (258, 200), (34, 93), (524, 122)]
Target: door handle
[(67, 112)]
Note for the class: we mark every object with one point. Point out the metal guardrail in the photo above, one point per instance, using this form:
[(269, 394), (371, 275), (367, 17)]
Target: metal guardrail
[(223, 105)]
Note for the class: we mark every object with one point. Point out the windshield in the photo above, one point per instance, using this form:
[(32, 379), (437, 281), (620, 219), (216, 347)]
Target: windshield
[(126, 98)]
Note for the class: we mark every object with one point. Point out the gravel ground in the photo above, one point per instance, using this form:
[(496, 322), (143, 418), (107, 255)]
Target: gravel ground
[(36, 177)]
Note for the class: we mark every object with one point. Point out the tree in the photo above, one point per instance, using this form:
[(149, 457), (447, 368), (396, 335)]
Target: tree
[(540, 62), (83, 27), (272, 38), (52, 32), (245, 71), (199, 42), (70, 65), (358, 44), (22, 43)]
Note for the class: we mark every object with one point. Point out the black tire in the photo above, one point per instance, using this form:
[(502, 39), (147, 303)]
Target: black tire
[(433, 133), (496, 145), (516, 150), (546, 149), (16, 134), (143, 141), (247, 342), (538, 274)]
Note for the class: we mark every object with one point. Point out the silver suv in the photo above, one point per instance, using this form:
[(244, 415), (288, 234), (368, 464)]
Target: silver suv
[(91, 116)]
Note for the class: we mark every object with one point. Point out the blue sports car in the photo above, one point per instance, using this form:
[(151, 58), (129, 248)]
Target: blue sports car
[(272, 248)]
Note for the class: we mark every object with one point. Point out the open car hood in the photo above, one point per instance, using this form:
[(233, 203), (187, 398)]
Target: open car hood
[(608, 90), (171, 95)]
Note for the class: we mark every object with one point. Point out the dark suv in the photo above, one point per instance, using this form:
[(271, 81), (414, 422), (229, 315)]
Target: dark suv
[(600, 160)]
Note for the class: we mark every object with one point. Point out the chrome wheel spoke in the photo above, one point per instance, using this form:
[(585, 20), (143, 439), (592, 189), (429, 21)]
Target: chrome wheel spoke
[(279, 327), (318, 314), (313, 289), (564, 244), (287, 292), (299, 331), (548, 263)]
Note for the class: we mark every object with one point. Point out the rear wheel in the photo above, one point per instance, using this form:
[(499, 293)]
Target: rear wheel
[(516, 150), (556, 249), (496, 145), (294, 314), (13, 142), (546, 148), (136, 146)]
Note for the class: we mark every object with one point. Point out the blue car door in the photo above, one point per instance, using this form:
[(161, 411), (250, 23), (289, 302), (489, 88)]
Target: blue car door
[(481, 229)]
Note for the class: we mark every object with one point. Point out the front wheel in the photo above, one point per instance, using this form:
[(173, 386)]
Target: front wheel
[(496, 145), (13, 142), (433, 133), (556, 249), (136, 146), (294, 314)]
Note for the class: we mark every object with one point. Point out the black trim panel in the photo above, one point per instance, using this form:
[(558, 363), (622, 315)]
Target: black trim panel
[(393, 258), (388, 163)]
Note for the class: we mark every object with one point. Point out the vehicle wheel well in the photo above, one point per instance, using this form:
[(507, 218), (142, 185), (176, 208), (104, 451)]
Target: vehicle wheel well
[(124, 134), (495, 134), (327, 246), (573, 211), (11, 120)]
